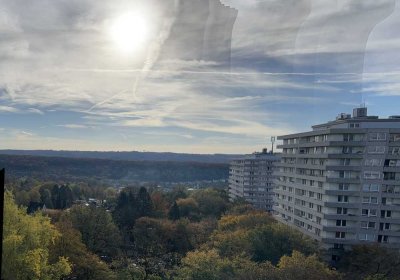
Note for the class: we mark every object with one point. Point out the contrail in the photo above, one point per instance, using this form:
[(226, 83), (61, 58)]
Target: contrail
[(152, 56), (106, 100), (155, 49)]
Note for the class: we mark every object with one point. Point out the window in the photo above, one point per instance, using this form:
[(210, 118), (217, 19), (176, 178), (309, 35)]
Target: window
[(319, 208), (343, 198), (383, 238), (394, 150), (370, 199), (348, 137), (372, 212), (384, 226), (345, 162), (367, 225), (386, 213), (395, 137), (376, 149), (340, 223), (370, 188), (373, 162), (369, 212), (338, 246), (381, 136), (371, 175), (318, 220), (354, 125), (343, 187), (341, 211), (347, 150), (366, 236), (340, 234)]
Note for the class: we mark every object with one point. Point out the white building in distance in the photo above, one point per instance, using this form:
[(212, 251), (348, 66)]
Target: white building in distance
[(251, 178)]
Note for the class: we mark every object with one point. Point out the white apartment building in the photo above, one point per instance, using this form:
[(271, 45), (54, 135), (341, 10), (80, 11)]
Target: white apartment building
[(340, 182), (250, 177)]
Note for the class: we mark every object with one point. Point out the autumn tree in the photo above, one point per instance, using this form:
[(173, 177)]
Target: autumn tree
[(298, 266), (26, 245)]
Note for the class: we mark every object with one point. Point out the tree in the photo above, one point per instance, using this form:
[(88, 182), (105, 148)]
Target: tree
[(26, 245), (365, 261), (211, 202), (189, 208), (271, 242), (160, 204), (86, 265), (144, 203), (126, 212), (174, 213), (45, 196), (201, 265), (99, 233), (299, 266)]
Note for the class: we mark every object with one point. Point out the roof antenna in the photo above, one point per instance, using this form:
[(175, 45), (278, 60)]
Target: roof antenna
[(273, 138)]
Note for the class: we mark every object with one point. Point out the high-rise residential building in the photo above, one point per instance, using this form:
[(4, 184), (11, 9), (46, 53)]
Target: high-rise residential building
[(340, 182), (251, 178)]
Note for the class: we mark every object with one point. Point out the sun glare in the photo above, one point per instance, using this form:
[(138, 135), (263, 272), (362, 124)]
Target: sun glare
[(129, 32)]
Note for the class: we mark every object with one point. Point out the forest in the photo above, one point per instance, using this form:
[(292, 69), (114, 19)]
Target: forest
[(142, 232), (115, 171)]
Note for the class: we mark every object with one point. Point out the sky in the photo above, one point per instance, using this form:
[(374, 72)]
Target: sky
[(190, 76)]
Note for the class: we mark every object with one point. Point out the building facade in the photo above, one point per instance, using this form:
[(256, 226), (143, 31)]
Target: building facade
[(340, 182), (251, 178)]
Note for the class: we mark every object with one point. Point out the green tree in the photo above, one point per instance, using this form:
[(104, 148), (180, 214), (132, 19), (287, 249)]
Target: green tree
[(86, 265), (45, 196), (26, 245), (271, 242), (174, 213), (99, 233), (211, 202), (144, 203), (126, 212), (189, 208)]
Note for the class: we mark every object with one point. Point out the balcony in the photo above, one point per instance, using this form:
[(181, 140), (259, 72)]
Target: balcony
[(353, 205), (353, 180)]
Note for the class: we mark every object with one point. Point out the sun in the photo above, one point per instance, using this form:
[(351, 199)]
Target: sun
[(129, 32)]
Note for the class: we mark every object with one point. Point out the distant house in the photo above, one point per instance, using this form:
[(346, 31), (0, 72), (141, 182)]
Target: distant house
[(35, 206)]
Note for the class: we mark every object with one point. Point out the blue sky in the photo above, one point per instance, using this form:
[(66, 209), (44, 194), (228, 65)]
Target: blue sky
[(206, 77)]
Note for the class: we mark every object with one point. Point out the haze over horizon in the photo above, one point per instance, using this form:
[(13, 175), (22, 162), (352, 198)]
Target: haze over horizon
[(190, 76)]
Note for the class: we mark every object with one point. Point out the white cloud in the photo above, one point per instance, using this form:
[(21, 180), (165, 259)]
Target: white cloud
[(73, 126), (8, 109)]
